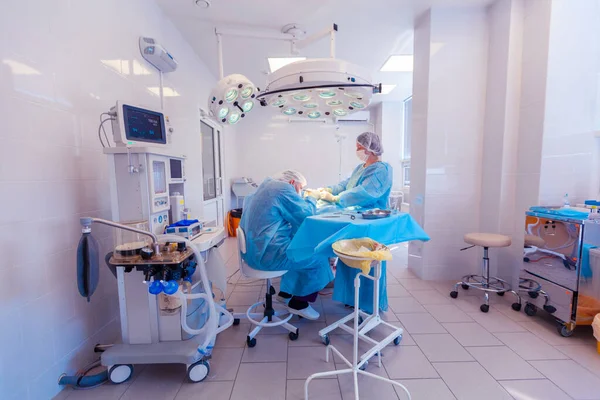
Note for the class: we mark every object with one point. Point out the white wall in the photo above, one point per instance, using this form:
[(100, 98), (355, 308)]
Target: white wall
[(53, 86), (572, 109), (448, 119), (266, 145), (501, 130), (392, 132)]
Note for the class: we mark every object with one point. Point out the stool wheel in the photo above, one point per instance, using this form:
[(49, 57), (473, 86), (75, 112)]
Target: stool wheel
[(236, 321), (464, 286), (250, 342), (294, 335), (500, 293), (397, 340), (516, 306), (325, 339), (484, 308), (454, 294), (530, 309)]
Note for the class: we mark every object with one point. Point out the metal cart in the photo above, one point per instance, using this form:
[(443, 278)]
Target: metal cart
[(559, 273)]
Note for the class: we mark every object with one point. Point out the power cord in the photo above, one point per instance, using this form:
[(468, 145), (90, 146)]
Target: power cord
[(111, 117)]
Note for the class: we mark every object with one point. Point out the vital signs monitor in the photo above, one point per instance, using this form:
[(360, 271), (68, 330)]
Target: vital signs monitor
[(135, 126)]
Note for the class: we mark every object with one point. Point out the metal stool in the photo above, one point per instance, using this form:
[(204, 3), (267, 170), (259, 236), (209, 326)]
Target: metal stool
[(485, 282)]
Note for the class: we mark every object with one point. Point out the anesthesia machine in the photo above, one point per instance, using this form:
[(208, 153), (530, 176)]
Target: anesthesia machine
[(166, 306)]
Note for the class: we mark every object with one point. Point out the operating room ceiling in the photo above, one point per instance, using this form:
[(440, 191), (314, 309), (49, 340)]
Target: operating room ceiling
[(369, 32)]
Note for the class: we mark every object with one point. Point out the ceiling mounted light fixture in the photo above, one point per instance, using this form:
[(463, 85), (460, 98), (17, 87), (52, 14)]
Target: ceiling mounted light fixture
[(296, 86), (327, 86), (232, 99)]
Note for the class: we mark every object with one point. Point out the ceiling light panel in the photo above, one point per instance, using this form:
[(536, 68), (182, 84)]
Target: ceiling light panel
[(398, 63), (278, 62)]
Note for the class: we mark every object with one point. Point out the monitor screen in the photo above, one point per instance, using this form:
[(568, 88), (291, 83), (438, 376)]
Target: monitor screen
[(144, 125), (176, 169)]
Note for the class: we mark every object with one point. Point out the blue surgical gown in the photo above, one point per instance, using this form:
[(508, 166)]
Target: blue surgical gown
[(271, 217), (368, 187)]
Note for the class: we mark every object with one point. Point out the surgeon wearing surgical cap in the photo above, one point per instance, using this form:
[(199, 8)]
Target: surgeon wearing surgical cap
[(370, 184), (271, 218), (368, 187)]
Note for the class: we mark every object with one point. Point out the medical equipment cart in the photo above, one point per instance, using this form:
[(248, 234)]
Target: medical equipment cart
[(560, 273)]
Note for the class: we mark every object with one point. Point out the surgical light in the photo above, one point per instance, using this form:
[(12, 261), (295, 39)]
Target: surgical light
[(231, 95), (248, 105), (223, 112), (326, 94), (321, 85), (232, 98), (247, 92), (354, 95), (234, 118), (301, 97)]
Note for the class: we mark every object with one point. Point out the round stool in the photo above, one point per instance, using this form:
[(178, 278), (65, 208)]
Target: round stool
[(485, 282)]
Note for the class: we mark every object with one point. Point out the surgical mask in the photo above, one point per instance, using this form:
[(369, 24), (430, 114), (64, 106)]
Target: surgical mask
[(362, 155)]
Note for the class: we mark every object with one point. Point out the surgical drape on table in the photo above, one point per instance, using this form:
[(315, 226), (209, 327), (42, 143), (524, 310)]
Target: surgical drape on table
[(318, 233)]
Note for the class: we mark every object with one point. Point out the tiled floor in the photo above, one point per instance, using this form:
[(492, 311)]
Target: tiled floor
[(450, 350)]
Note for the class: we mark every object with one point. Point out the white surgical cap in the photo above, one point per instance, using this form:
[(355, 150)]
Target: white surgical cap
[(371, 142), (289, 175)]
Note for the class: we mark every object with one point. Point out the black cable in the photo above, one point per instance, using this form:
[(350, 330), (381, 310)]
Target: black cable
[(100, 136), (101, 127), (111, 118)]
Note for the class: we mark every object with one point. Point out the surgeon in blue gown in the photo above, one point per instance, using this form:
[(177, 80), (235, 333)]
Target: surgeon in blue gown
[(368, 187), (271, 217)]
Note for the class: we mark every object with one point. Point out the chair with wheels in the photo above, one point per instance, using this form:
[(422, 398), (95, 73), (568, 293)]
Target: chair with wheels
[(269, 317), (485, 282)]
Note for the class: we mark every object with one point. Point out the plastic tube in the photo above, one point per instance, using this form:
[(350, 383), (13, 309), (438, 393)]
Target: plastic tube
[(211, 327)]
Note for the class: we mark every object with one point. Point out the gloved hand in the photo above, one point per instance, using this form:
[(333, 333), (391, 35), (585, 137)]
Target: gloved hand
[(327, 196), (325, 190), (312, 193)]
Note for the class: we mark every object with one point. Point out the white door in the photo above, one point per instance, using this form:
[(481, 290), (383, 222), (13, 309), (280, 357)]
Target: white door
[(212, 172)]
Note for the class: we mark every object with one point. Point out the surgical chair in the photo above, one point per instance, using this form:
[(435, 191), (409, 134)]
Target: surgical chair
[(269, 318), (484, 282)]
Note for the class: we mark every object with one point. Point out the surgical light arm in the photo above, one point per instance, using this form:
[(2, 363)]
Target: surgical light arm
[(86, 223)]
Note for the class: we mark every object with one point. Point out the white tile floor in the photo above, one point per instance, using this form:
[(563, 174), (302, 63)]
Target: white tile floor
[(450, 350)]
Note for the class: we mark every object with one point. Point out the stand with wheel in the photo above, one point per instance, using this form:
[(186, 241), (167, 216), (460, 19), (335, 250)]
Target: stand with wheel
[(360, 330), (484, 282)]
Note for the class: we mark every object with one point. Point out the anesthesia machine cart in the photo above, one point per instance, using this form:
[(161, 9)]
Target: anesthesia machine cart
[(166, 306)]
